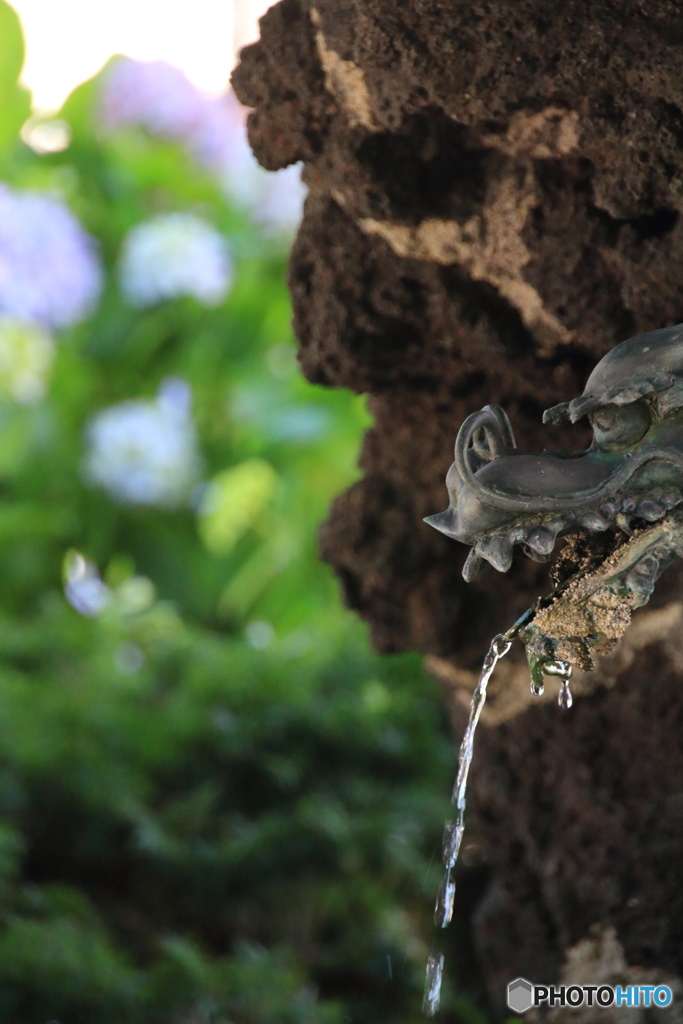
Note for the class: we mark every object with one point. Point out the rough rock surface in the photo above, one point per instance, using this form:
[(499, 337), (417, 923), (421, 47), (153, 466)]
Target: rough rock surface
[(495, 198), (599, 959)]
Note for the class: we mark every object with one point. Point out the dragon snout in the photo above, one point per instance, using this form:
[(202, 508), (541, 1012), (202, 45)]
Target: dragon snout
[(467, 517), (446, 522)]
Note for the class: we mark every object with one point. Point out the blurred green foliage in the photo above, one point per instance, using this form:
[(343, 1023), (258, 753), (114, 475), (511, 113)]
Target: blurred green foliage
[(15, 102), (216, 803)]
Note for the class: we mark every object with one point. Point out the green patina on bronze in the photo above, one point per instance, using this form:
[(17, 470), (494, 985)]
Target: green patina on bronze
[(616, 502)]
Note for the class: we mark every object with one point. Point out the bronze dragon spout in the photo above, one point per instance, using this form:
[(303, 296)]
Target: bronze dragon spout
[(627, 485)]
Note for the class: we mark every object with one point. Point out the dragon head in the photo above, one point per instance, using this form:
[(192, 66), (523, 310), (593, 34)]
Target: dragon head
[(633, 469)]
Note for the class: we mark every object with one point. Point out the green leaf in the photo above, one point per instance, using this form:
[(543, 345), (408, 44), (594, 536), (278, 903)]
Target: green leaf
[(15, 101), (233, 501), (12, 49)]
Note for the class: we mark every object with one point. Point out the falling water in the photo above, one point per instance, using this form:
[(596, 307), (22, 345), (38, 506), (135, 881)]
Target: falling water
[(453, 831), (564, 697), (432, 996)]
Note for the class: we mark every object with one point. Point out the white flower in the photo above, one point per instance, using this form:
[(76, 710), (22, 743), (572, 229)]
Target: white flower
[(26, 356), (49, 269), (83, 588), (145, 452), (175, 254), (281, 203)]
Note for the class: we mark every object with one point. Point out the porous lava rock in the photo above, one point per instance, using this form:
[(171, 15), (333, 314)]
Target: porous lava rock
[(495, 192)]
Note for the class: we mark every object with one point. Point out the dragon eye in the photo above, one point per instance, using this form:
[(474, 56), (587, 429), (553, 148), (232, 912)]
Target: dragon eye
[(620, 426)]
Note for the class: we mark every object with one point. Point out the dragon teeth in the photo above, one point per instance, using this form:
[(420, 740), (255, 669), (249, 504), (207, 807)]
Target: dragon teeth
[(541, 540), (650, 510), (624, 524), (472, 566), (497, 551), (642, 577), (593, 521)]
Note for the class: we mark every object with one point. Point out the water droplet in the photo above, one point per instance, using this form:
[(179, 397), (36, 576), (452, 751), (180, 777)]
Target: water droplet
[(452, 838), (538, 689), (443, 910), (432, 996), (558, 668), (564, 698)]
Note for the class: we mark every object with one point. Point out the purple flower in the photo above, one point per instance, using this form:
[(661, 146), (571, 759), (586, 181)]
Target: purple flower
[(152, 94), (159, 97), (49, 268), (218, 138)]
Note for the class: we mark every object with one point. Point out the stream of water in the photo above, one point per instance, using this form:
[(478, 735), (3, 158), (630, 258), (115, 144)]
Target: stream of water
[(453, 831)]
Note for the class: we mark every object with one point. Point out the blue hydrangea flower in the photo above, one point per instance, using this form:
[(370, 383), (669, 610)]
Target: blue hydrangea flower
[(49, 268), (172, 255), (145, 452), (152, 94)]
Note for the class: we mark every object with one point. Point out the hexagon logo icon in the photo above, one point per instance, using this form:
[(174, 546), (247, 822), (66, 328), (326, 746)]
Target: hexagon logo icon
[(520, 995)]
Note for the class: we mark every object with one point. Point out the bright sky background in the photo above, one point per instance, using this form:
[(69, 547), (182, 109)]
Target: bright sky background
[(69, 40)]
